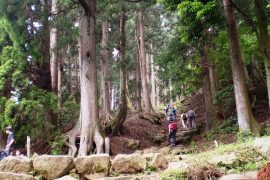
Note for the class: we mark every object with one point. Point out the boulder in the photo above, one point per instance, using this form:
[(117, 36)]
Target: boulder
[(151, 149), (52, 167), (158, 138), (227, 159), (15, 176), (16, 164), (138, 152), (93, 166), (262, 146), (156, 160), (165, 150), (67, 178), (235, 177), (132, 163), (177, 150), (180, 165)]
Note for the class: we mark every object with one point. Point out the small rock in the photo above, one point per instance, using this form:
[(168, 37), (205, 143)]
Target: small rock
[(235, 177), (156, 160), (14, 176), (181, 165), (262, 146), (52, 167), (150, 177), (16, 164), (94, 166), (138, 152), (227, 159), (132, 163), (131, 143), (152, 149), (67, 178)]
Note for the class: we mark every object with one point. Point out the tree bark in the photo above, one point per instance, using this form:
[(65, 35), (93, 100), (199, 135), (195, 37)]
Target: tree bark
[(60, 68), (90, 127), (53, 49), (138, 100), (146, 92), (207, 92), (153, 81), (213, 79), (105, 70), (117, 123), (264, 40), (245, 117), (70, 90)]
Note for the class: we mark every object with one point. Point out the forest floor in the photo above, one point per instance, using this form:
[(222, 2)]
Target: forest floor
[(140, 133)]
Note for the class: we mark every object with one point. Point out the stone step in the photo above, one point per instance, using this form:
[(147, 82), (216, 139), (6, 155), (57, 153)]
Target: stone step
[(183, 140)]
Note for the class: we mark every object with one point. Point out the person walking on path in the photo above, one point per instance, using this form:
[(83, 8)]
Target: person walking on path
[(174, 112), (10, 140), (172, 131), (191, 119)]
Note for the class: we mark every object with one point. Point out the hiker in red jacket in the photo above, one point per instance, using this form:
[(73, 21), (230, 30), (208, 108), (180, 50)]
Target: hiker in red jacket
[(172, 130)]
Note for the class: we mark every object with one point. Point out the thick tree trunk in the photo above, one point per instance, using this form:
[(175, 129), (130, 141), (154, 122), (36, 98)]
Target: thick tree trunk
[(53, 49), (245, 117), (264, 40), (105, 70), (207, 92), (145, 88), (90, 127), (117, 123)]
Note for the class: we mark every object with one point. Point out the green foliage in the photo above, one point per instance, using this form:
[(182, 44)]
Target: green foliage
[(245, 136), (266, 131), (228, 126), (173, 175), (149, 169), (57, 144)]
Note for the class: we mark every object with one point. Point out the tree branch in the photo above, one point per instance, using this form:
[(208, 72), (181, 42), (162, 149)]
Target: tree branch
[(246, 17)]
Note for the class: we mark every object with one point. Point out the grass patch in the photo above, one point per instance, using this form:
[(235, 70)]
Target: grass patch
[(173, 175)]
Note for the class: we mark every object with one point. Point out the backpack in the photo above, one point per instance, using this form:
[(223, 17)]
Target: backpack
[(173, 126)]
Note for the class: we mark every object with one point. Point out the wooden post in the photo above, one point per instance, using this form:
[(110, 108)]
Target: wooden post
[(28, 146)]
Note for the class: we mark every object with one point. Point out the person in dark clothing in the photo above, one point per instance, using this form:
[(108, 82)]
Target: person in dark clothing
[(191, 118), (174, 112), (10, 139), (172, 131)]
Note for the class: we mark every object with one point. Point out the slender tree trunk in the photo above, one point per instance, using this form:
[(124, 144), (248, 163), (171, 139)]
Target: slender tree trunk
[(60, 68), (90, 126), (245, 117), (207, 92), (117, 123), (146, 92), (213, 80), (153, 81), (70, 90), (138, 83), (105, 69), (264, 40), (53, 49)]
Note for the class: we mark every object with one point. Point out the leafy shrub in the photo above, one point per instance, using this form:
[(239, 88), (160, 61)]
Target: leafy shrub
[(57, 145), (266, 131), (173, 175), (245, 136)]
